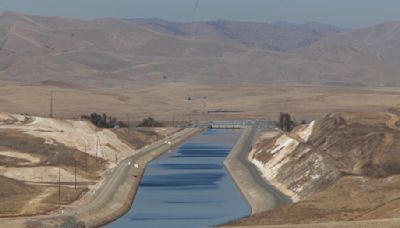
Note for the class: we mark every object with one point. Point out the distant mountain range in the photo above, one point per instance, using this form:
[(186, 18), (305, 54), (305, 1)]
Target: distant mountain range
[(113, 52), (278, 36)]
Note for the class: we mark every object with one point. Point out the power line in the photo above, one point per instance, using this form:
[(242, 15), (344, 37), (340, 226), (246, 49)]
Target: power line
[(86, 158), (97, 147), (75, 174), (51, 105), (129, 126), (173, 119), (59, 186)]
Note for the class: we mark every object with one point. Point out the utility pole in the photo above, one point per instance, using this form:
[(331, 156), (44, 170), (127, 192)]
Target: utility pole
[(59, 186), (86, 158), (173, 119), (51, 105), (75, 174), (97, 147), (129, 126)]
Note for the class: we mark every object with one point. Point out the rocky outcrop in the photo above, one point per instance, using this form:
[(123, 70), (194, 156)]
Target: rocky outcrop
[(313, 157)]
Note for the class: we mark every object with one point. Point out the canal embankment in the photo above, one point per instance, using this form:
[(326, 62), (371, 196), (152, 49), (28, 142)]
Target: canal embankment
[(119, 200), (259, 194), (116, 194), (188, 186)]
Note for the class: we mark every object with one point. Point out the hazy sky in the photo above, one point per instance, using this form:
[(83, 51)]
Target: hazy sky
[(344, 13)]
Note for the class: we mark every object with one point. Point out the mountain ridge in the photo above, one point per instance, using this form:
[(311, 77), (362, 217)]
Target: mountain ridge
[(110, 52), (253, 34)]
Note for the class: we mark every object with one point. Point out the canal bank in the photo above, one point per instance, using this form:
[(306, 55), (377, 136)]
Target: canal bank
[(115, 195), (189, 186), (259, 194), (109, 207)]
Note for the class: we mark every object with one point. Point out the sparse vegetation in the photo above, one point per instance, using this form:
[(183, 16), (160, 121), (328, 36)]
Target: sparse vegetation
[(14, 195), (140, 137), (353, 161), (103, 121), (49, 154), (285, 122), (150, 122)]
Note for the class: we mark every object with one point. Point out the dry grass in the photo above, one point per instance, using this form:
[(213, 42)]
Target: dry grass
[(21, 198), (361, 149), (139, 137), (67, 196), (35, 161), (352, 198), (50, 154), (38, 200), (11, 161), (15, 195), (169, 100)]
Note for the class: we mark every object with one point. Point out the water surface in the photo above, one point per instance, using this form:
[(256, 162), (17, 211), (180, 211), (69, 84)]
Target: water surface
[(188, 187)]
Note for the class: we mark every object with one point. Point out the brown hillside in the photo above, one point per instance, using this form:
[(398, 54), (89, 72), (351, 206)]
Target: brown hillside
[(278, 36), (346, 169), (112, 52)]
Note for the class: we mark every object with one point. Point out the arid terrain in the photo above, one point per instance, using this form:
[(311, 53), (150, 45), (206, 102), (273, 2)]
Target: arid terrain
[(278, 36), (36, 153), (343, 167), (129, 67), (112, 53), (168, 102)]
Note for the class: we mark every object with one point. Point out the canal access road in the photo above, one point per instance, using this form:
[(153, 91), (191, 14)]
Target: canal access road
[(115, 195)]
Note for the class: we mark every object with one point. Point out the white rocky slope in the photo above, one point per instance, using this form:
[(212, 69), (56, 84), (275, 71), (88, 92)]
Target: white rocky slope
[(273, 159), (80, 135)]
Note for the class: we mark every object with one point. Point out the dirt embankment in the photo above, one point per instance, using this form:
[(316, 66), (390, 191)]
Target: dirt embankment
[(38, 153), (342, 167), (140, 137)]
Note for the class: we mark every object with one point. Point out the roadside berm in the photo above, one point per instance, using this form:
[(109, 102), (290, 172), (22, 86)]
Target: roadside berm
[(343, 167)]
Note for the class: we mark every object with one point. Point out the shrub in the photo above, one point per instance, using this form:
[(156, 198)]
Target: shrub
[(150, 122), (103, 121)]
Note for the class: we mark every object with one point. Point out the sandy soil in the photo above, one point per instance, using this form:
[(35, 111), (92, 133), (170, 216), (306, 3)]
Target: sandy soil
[(29, 159), (40, 174), (79, 135), (169, 101), (139, 137)]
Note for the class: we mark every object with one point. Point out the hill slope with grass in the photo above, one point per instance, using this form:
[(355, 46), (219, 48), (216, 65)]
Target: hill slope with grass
[(342, 167)]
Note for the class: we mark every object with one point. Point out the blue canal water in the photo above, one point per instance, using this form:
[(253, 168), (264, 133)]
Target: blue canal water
[(188, 186)]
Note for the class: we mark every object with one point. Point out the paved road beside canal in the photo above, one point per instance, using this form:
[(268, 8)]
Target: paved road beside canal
[(116, 194), (117, 198)]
